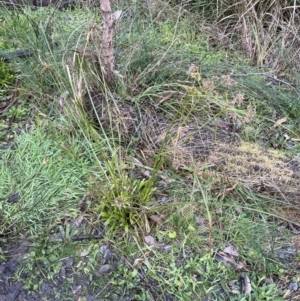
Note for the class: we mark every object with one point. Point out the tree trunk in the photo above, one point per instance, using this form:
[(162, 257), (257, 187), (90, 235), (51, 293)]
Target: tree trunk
[(106, 43)]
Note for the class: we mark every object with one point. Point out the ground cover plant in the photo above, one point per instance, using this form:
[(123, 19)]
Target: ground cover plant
[(178, 181)]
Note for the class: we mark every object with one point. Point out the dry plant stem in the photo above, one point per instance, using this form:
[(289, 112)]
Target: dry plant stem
[(5, 108), (209, 217), (106, 44)]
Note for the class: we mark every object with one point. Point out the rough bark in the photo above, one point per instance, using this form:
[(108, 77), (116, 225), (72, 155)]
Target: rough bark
[(107, 42)]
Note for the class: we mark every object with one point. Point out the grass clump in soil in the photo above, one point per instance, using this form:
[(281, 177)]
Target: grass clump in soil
[(150, 194)]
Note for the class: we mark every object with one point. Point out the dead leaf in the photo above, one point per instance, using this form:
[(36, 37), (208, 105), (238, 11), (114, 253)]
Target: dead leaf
[(78, 220), (146, 173), (280, 121), (76, 289), (165, 98), (230, 250), (146, 223), (136, 162), (84, 253), (158, 218), (166, 249), (137, 262), (202, 222), (150, 240), (116, 15), (246, 285), (227, 190), (226, 259), (269, 281), (242, 265), (118, 74), (195, 277), (78, 265), (234, 287)]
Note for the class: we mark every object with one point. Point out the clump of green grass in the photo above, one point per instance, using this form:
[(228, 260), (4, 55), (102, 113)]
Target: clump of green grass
[(46, 180), (123, 202)]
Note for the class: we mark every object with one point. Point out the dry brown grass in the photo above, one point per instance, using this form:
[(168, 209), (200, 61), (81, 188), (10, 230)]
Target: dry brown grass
[(266, 31)]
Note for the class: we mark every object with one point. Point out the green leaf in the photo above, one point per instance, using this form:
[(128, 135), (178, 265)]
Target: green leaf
[(105, 214), (172, 234), (191, 228), (134, 273)]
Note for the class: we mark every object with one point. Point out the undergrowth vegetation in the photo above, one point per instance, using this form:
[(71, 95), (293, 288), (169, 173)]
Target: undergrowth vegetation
[(188, 168)]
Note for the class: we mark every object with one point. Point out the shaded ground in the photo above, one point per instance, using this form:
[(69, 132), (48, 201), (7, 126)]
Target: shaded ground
[(72, 283)]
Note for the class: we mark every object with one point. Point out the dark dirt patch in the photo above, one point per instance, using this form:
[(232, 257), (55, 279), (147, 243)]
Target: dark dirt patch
[(59, 288), (71, 283)]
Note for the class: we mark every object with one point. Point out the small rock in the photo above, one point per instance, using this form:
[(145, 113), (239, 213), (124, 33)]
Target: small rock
[(45, 288), (150, 240), (84, 253), (104, 270), (62, 272), (168, 297), (77, 289), (166, 249), (103, 248), (2, 268), (293, 286), (14, 198), (107, 256), (68, 262), (12, 266), (163, 199)]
